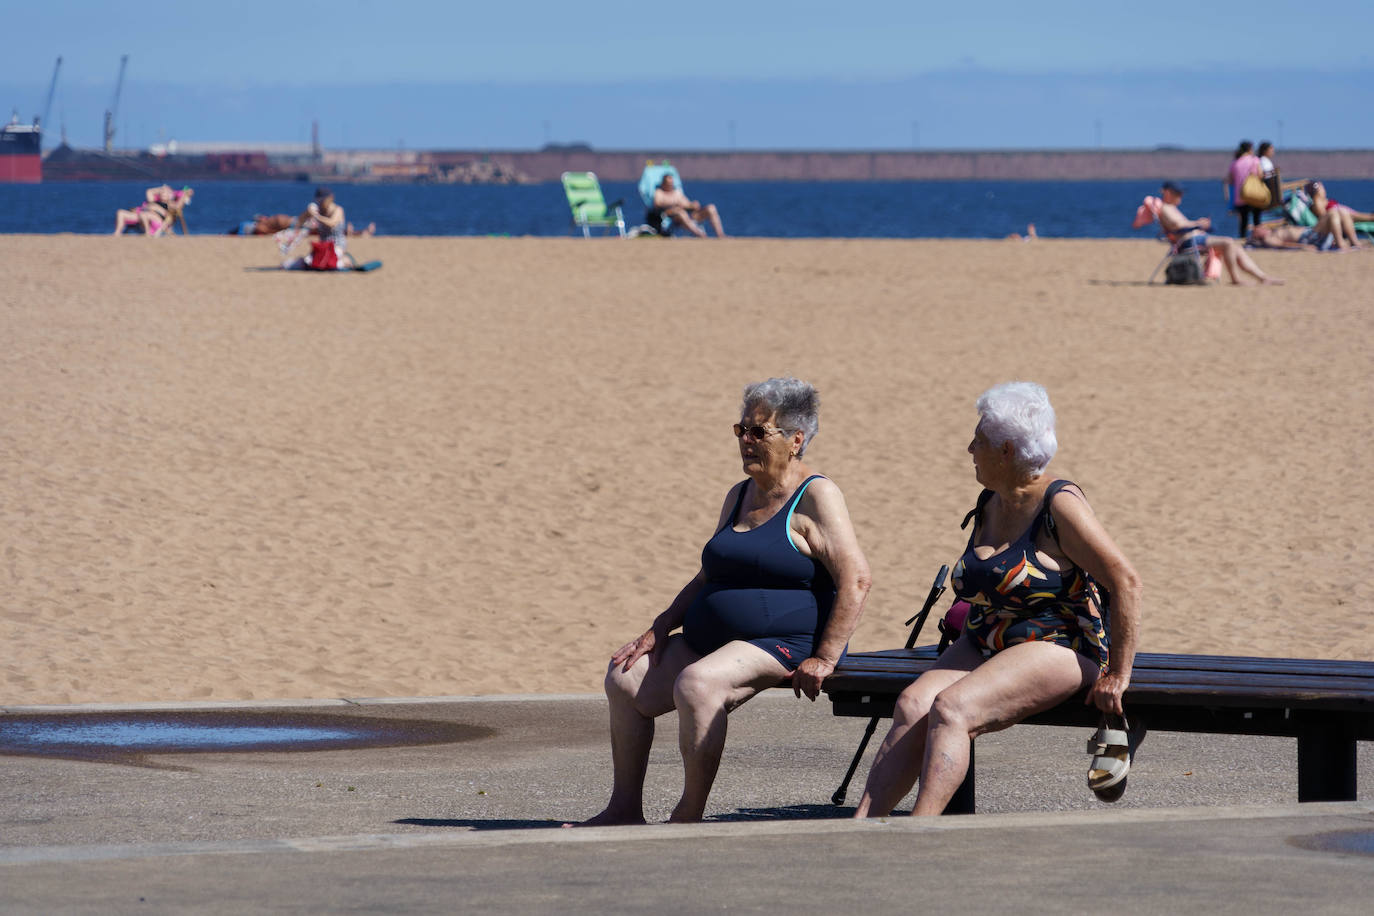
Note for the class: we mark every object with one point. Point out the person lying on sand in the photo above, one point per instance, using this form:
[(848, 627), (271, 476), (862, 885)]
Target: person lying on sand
[(1330, 234), (1034, 635), (781, 587), (1192, 235), (277, 222)]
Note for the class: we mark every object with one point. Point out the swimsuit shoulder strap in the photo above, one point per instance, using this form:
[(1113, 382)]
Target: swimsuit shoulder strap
[(796, 498), (975, 514), (734, 513), (1046, 518), (1097, 592)]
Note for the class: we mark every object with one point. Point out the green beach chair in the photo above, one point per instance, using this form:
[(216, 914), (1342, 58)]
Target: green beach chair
[(589, 207)]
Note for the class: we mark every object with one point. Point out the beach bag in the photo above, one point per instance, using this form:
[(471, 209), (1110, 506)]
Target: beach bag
[(1184, 270), (1254, 193), (323, 256)]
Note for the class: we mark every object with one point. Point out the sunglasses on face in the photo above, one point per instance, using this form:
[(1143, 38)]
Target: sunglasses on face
[(757, 433)]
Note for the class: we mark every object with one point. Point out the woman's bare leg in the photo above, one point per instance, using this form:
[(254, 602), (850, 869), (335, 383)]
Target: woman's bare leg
[(1347, 224), (637, 697), (898, 760), (1013, 684), (706, 692)]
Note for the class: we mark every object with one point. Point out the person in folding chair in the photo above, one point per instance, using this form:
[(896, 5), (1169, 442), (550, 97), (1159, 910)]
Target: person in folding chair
[(1189, 235), (1034, 635), (671, 203)]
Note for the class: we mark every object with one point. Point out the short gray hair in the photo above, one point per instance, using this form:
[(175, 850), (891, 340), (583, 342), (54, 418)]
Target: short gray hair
[(1020, 413), (794, 405)]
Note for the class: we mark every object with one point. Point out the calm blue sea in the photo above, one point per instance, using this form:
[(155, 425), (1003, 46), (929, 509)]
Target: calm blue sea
[(916, 209)]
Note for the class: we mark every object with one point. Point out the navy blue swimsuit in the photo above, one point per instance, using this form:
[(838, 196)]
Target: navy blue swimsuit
[(760, 589)]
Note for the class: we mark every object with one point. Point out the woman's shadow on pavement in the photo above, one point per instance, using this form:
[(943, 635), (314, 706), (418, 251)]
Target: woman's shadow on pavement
[(741, 815)]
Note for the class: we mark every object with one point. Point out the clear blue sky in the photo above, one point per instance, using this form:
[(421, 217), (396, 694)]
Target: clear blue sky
[(752, 73)]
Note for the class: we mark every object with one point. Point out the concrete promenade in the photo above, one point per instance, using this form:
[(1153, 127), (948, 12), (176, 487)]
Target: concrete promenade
[(1208, 824)]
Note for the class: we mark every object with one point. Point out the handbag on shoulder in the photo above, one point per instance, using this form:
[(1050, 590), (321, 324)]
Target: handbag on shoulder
[(1254, 193)]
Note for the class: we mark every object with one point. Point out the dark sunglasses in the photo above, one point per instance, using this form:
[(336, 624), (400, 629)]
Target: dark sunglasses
[(757, 433)]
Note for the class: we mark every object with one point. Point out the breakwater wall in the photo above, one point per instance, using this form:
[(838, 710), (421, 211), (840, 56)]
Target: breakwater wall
[(492, 166), (915, 165)]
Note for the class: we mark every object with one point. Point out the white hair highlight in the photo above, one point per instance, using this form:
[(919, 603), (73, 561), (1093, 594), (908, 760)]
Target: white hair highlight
[(1020, 413)]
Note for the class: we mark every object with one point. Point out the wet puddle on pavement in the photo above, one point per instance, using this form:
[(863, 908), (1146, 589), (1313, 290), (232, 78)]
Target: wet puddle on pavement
[(1350, 842), (127, 737)]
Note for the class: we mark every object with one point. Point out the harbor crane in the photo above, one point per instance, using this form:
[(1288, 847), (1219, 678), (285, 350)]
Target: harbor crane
[(114, 106), (52, 87)]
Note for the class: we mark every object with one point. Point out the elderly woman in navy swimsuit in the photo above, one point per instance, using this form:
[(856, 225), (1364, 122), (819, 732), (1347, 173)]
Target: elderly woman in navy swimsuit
[(781, 586), (1033, 637)]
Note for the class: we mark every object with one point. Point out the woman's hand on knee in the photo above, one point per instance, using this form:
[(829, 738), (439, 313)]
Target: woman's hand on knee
[(630, 653), (651, 643)]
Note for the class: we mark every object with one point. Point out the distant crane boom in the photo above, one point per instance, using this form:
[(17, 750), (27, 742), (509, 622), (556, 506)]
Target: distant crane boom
[(52, 87), (114, 106)]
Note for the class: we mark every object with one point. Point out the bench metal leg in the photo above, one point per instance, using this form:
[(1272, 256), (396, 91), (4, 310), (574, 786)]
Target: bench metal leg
[(1327, 766), (963, 800)]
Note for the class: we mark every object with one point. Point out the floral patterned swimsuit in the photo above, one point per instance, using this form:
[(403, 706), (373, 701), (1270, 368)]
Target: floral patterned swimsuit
[(1014, 600)]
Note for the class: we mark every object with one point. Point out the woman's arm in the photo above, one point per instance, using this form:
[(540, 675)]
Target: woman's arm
[(656, 637), (1087, 544), (822, 521)]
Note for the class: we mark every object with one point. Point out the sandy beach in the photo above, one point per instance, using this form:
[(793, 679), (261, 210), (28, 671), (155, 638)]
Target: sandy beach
[(486, 466)]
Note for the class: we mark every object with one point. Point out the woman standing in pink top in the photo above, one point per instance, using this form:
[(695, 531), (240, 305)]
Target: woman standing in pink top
[(1245, 164)]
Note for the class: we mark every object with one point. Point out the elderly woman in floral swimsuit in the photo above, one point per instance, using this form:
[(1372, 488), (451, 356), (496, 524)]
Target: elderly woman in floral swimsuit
[(1034, 636)]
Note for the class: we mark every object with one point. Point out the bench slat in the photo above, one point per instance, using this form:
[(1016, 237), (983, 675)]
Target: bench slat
[(1326, 704), (1152, 661), (1163, 679)]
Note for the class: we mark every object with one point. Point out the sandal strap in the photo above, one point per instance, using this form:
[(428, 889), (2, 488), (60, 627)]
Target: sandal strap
[(1104, 738)]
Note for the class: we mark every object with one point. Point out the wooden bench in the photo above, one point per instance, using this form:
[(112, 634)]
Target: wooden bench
[(1327, 705)]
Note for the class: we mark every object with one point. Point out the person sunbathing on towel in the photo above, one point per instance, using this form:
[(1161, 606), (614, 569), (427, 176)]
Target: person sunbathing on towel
[(326, 220), (264, 225), (1330, 233), (687, 213), (1192, 235)]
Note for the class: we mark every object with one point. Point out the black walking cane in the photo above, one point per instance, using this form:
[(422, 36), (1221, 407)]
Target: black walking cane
[(936, 590)]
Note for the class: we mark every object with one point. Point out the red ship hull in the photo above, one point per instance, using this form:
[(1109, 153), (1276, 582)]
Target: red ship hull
[(21, 148), (21, 169)]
